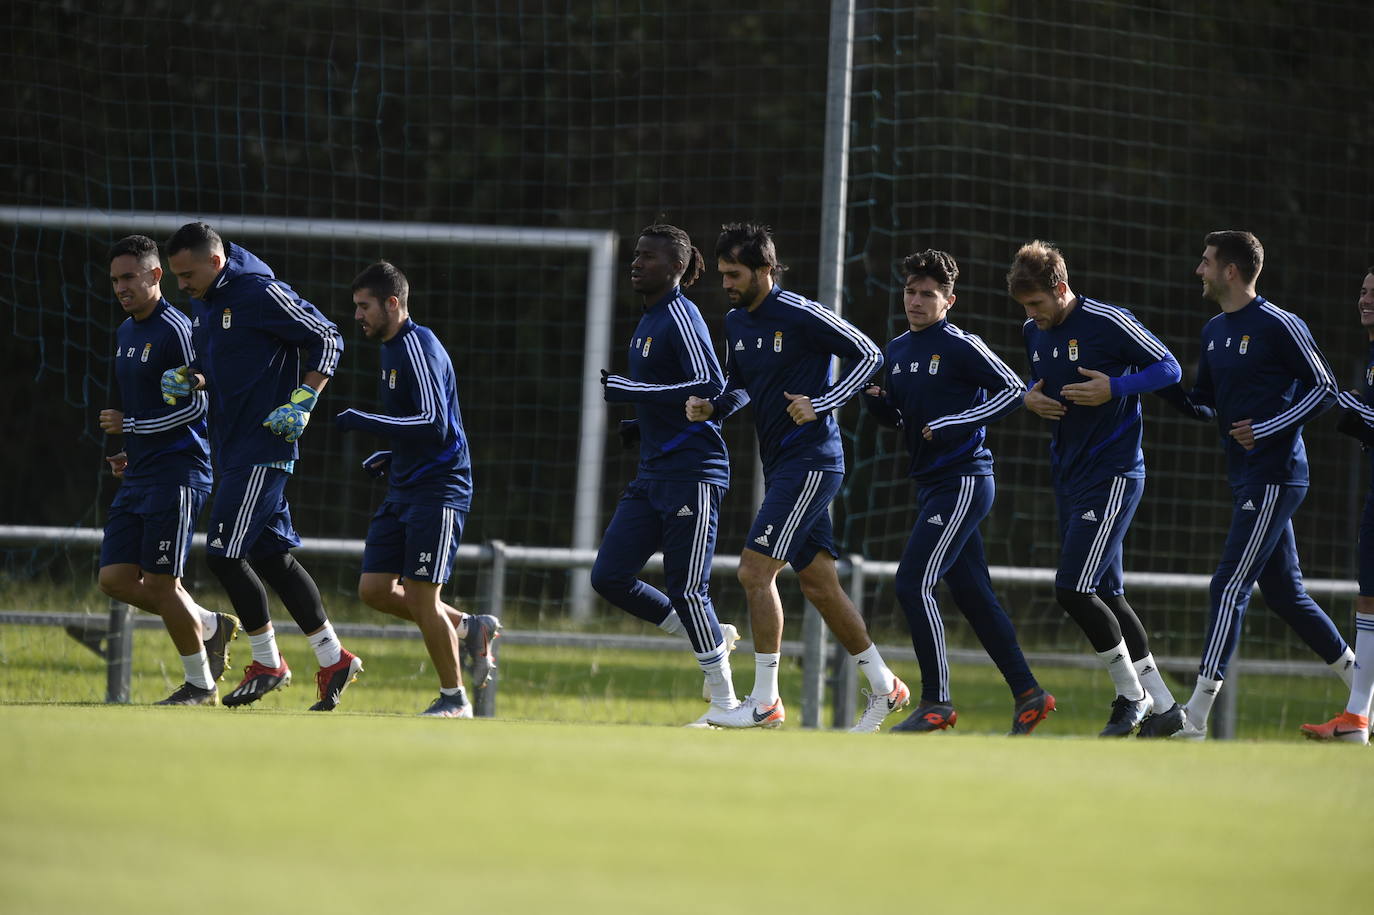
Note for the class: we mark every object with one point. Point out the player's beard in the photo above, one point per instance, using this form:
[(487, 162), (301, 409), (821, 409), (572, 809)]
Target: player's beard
[(746, 296)]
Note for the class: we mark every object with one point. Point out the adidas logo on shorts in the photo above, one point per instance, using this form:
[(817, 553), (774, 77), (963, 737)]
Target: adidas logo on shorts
[(1249, 506), (936, 520), (422, 570), (163, 560), (684, 512), (762, 540), (1089, 515), (217, 543)]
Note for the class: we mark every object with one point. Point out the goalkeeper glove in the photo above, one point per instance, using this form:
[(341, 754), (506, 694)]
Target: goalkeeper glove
[(289, 420), (176, 383), (377, 464)]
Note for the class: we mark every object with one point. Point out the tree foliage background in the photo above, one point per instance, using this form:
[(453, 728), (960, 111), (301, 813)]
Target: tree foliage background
[(1123, 131)]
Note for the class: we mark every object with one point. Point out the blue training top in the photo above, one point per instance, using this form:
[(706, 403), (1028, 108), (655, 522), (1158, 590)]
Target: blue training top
[(1090, 445), (250, 332), (1261, 363), (166, 445), (785, 346), (430, 463), (671, 359), (949, 380)]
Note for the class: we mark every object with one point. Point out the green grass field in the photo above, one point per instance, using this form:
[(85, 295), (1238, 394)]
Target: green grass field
[(559, 807), (137, 809)]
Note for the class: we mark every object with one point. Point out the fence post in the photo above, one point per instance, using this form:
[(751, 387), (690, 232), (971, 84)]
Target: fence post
[(484, 699), (813, 665), (119, 653), (1225, 714), (846, 673)]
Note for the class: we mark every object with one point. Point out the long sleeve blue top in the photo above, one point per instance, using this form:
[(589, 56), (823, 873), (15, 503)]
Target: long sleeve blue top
[(1260, 363), (254, 339), (430, 462), (785, 346), (671, 359), (949, 380), (1090, 445), (166, 445)]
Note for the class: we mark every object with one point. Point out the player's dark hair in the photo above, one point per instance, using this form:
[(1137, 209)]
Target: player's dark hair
[(1038, 267), (749, 244), (1240, 249), (932, 264), (683, 250), (140, 246), (196, 237), (384, 280), (1370, 270)]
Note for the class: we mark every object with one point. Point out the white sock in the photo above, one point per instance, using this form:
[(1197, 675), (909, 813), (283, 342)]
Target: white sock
[(1200, 706), (209, 622), (720, 680), (672, 624), (1118, 661), (1344, 666), (456, 691), (766, 677), (197, 668), (1154, 684), (880, 676), (264, 646), (1362, 685), (326, 645)]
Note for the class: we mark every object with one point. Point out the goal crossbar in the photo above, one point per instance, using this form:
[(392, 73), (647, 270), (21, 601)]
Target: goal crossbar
[(597, 244)]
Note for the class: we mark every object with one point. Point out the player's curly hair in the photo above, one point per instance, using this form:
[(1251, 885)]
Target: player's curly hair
[(384, 280), (140, 246), (683, 250), (1038, 267), (749, 244), (935, 265), (1240, 249)]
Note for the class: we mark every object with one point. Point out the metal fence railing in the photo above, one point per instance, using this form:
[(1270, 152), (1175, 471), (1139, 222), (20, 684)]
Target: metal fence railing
[(823, 664)]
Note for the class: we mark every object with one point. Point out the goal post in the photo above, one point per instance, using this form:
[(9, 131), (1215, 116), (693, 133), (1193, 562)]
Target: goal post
[(597, 245)]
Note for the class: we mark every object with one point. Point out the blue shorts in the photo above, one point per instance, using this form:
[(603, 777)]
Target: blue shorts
[(417, 542), (1366, 548), (793, 524), (151, 527), (250, 517), (1092, 524)]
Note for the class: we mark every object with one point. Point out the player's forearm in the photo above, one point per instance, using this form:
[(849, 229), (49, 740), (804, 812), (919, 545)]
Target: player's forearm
[(622, 390), (417, 429), (883, 413), (854, 381), (167, 418), (1357, 405), (1307, 405), (1185, 402), (729, 403), (1157, 375)]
